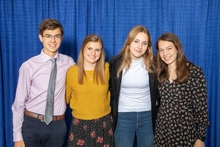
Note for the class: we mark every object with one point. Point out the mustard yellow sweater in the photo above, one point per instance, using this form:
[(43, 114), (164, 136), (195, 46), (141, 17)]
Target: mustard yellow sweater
[(88, 100)]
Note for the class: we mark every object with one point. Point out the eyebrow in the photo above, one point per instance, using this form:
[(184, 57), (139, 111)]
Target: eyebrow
[(168, 46), (139, 39), (165, 47)]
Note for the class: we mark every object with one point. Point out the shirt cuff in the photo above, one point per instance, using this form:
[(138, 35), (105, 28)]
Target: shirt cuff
[(17, 137)]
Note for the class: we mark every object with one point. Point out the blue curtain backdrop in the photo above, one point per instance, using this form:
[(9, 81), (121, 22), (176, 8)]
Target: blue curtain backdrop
[(196, 22)]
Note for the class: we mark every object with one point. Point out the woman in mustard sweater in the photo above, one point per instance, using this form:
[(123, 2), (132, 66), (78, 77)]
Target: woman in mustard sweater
[(89, 98)]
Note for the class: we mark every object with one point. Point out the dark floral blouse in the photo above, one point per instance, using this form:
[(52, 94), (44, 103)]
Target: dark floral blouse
[(183, 112)]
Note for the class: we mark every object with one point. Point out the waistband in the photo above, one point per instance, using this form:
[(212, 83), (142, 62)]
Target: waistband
[(41, 117)]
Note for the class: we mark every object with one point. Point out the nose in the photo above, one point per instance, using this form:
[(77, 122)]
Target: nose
[(165, 52), (53, 38), (93, 52), (140, 45)]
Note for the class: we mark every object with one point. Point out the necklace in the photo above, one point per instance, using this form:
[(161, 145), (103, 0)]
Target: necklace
[(89, 76)]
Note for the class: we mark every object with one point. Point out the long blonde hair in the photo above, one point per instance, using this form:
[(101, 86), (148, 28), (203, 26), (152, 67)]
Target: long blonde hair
[(99, 68), (125, 51)]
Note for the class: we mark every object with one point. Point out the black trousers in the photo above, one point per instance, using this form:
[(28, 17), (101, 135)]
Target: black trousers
[(39, 134)]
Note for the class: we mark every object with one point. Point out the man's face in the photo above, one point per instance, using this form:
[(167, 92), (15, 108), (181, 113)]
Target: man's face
[(51, 40)]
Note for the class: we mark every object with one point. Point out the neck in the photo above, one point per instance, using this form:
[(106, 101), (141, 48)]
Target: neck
[(171, 69), (51, 54), (88, 66), (172, 73)]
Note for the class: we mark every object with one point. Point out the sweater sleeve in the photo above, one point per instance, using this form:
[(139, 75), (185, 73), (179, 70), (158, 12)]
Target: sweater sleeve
[(69, 77)]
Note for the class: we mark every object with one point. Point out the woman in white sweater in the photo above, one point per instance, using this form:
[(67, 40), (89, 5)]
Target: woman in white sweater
[(133, 87)]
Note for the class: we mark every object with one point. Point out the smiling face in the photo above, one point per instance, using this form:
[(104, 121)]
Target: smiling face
[(51, 44), (139, 46), (92, 53), (167, 52)]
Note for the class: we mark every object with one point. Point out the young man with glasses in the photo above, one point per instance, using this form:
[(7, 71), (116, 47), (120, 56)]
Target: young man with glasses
[(30, 127)]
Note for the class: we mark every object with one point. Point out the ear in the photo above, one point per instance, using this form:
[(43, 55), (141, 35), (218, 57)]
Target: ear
[(40, 37)]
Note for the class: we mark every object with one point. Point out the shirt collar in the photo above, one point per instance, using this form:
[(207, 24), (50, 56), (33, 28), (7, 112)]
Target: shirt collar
[(46, 58)]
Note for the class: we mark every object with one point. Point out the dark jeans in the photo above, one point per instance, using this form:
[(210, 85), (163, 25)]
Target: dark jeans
[(39, 134)]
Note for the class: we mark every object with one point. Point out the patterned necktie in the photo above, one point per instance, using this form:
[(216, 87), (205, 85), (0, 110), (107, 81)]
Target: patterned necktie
[(50, 93)]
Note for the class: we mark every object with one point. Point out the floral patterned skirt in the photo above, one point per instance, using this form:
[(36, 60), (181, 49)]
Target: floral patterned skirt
[(91, 133)]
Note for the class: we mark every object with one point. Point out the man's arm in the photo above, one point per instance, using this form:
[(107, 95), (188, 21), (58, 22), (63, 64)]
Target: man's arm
[(18, 106)]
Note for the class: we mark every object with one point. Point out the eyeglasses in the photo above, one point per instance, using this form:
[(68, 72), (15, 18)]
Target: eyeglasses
[(58, 36)]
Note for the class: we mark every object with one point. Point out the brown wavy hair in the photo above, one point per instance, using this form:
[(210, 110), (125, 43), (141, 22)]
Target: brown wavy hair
[(125, 51), (182, 69), (99, 68), (50, 24)]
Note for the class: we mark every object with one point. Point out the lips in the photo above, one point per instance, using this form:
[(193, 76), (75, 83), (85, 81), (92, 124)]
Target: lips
[(92, 57), (167, 58), (52, 45), (138, 51)]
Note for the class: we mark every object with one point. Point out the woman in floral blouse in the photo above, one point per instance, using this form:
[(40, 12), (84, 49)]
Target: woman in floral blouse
[(183, 114)]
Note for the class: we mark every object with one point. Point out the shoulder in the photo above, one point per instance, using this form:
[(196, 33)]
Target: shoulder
[(33, 59), (195, 70), (73, 68), (72, 73), (31, 62), (106, 67), (66, 58), (193, 67), (106, 64), (114, 59)]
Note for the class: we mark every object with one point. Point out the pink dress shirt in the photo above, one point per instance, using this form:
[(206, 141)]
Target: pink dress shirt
[(31, 93)]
